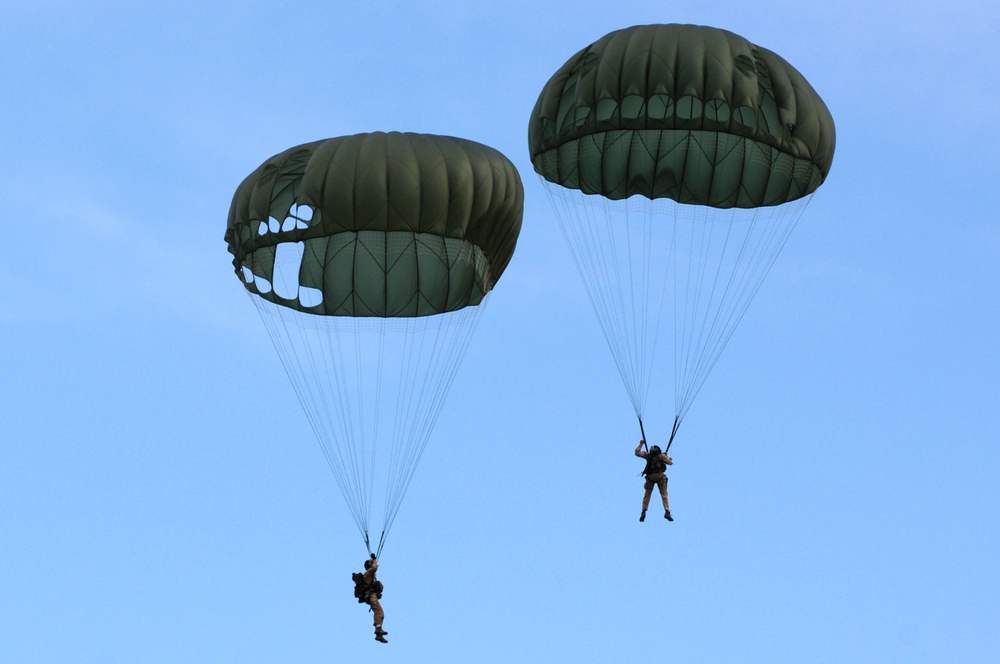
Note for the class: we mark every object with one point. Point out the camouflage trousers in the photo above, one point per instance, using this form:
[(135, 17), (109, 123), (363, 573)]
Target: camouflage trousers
[(659, 480), (377, 610)]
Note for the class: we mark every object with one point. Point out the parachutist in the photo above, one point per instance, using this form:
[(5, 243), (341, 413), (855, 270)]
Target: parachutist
[(368, 590), (656, 465)]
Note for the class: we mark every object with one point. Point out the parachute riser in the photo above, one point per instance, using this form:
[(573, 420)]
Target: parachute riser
[(673, 432)]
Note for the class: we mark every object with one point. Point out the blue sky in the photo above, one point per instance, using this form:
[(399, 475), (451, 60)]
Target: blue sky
[(162, 497)]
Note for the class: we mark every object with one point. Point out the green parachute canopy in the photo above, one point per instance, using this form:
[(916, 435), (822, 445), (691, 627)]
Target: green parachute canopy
[(695, 114), (392, 224), (678, 159), (369, 259)]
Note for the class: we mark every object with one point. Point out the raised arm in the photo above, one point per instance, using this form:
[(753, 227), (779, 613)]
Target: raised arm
[(370, 572), (638, 449)]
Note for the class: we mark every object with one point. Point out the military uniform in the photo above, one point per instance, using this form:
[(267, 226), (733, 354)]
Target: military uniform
[(374, 589), (655, 467)]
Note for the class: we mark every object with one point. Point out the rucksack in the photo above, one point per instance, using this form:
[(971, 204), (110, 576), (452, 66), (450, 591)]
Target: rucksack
[(359, 586)]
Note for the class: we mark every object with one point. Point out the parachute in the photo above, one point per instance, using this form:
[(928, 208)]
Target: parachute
[(369, 259), (678, 159)]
